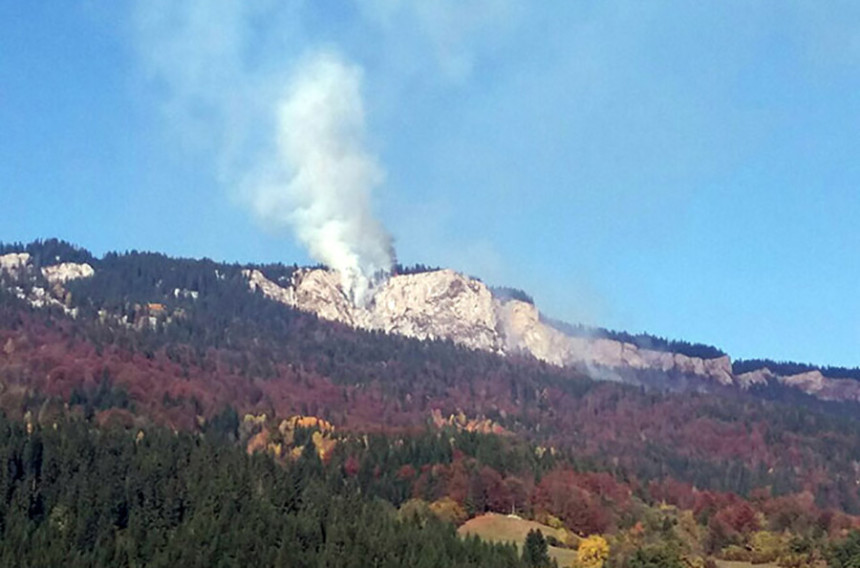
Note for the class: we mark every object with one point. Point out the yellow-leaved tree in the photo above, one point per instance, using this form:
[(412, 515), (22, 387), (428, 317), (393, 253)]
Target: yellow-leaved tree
[(593, 552)]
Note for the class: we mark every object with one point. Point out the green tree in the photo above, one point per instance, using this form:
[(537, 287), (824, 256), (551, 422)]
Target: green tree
[(658, 556), (536, 551), (846, 554)]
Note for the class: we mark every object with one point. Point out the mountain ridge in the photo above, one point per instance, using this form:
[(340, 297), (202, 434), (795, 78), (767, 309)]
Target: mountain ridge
[(185, 343), (436, 304), (474, 317)]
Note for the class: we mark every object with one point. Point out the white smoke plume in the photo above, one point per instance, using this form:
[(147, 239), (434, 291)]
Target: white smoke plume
[(292, 143), (323, 187)]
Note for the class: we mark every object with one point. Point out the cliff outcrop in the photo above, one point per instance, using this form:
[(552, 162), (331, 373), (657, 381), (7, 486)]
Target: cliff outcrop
[(522, 329), (432, 305), (444, 304), (62, 273), (826, 388), (20, 268), (14, 263)]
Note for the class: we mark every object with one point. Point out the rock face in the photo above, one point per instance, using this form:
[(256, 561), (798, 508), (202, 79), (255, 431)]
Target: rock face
[(810, 382), (757, 377), (62, 273), (520, 326), (437, 305), (813, 383), (19, 264), (447, 305), (522, 329), (825, 388), (442, 304), (14, 263), (433, 305)]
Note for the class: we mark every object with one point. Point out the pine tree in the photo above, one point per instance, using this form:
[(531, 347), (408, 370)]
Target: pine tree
[(536, 551)]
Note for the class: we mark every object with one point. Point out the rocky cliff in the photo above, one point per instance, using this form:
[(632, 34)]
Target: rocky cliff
[(825, 388), (432, 305), (62, 273), (14, 263), (522, 329), (444, 304), (813, 383), (48, 292)]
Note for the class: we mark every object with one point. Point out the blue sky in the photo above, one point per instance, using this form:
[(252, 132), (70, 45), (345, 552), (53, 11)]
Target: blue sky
[(685, 168)]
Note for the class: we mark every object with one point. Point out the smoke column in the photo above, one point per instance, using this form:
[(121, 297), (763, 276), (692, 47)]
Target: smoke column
[(293, 144), (322, 184)]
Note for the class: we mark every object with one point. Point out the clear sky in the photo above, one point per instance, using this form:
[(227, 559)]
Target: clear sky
[(684, 168)]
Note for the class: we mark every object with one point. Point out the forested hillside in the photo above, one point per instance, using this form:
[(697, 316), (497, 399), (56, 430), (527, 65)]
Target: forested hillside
[(149, 344), (73, 496)]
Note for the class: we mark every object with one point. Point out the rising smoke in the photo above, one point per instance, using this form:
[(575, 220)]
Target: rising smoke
[(288, 135), (294, 143), (323, 189)]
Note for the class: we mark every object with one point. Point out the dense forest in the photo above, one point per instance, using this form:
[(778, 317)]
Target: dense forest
[(49, 251), (77, 496), (423, 435)]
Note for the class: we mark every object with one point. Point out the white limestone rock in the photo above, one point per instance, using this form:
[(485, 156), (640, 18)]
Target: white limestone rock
[(757, 377), (521, 330), (435, 305), (66, 271), (720, 369), (811, 382), (185, 293), (826, 388), (14, 263), (444, 304), (19, 265)]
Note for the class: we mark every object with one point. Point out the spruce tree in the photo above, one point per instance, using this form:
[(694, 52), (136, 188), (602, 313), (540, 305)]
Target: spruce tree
[(536, 551)]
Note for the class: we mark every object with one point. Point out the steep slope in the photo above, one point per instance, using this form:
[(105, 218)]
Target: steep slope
[(440, 304), (180, 342), (40, 287), (448, 305), (432, 305), (443, 304)]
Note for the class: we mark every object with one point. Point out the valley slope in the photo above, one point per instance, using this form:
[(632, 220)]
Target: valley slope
[(138, 339), (443, 304)]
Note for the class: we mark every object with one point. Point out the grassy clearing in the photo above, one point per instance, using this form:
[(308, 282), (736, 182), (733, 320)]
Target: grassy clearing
[(502, 528)]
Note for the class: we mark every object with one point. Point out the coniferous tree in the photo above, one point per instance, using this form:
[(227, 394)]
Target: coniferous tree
[(536, 550)]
